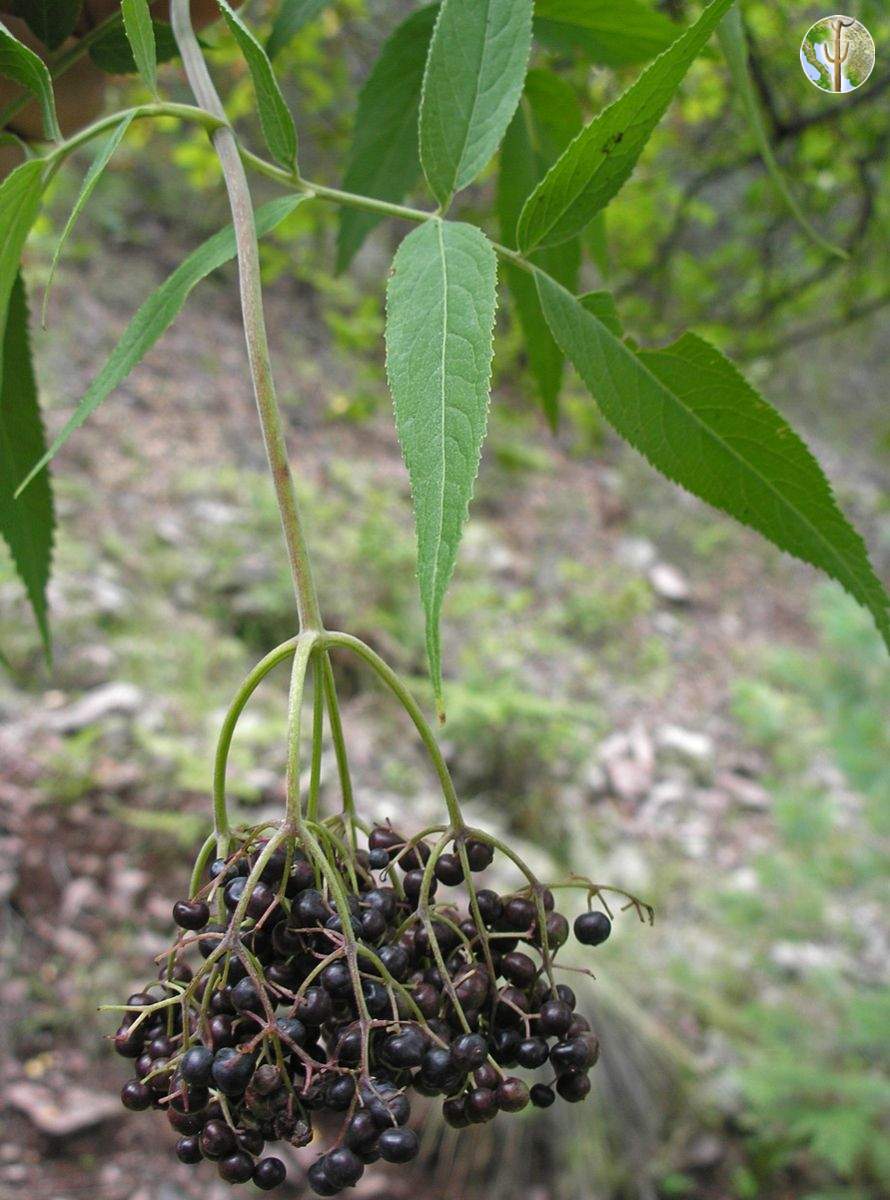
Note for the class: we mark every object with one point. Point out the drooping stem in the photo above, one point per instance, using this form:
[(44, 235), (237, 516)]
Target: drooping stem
[(252, 308), (394, 683)]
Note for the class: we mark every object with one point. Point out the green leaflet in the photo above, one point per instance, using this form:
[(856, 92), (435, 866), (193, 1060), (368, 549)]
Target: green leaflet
[(384, 161), (602, 157), (157, 314), (113, 53), (275, 120), (440, 308), (473, 81), (20, 194), (26, 524), (141, 36), (603, 307), (616, 35), (699, 422), (547, 119), (27, 68), (734, 43), (292, 15), (98, 165), (50, 20)]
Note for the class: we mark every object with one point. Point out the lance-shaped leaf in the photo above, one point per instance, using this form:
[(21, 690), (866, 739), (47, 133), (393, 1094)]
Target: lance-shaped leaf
[(20, 194), (547, 119), (603, 155), (26, 524), (141, 36), (292, 15), (112, 52), (616, 35), (440, 308), (734, 43), (384, 161), (473, 82), (699, 422), (275, 120), (27, 68), (98, 165), (49, 20), (157, 314)]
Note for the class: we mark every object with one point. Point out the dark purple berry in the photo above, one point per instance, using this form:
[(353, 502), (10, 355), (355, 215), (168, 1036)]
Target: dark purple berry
[(343, 1167), (236, 1168), (592, 928), (231, 1071), (269, 1173), (555, 1018), (217, 1140), (573, 1086), (136, 1095), (188, 1150), (191, 914), (479, 854), (449, 871), (512, 1095), (398, 1145), (541, 1095), (469, 1051)]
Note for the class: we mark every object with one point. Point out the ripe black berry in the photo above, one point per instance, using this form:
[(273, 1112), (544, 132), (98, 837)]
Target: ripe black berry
[(196, 1065), (191, 914), (188, 1150), (555, 1018), (236, 1168), (449, 871), (405, 1049), (512, 1095), (136, 1095), (592, 928), (343, 1167), (217, 1140), (541, 1095), (231, 1071), (479, 854), (318, 1180), (481, 1105), (398, 1145), (314, 1006), (469, 1051), (269, 1173), (573, 1086)]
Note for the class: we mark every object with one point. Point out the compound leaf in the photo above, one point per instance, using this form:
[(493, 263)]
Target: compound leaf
[(384, 161), (440, 303), (157, 314), (616, 35), (603, 155), (275, 120), (473, 81), (141, 36), (27, 68), (698, 421), (26, 524)]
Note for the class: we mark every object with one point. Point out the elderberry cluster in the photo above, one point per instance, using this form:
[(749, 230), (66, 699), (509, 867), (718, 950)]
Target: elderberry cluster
[(306, 983)]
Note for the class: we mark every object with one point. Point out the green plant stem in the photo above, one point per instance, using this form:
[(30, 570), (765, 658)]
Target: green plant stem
[(221, 758), (403, 212), (333, 706), (317, 741), (306, 643), (252, 309), (394, 683), (184, 112)]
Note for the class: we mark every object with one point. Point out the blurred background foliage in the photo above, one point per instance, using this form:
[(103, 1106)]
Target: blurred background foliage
[(746, 1035)]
